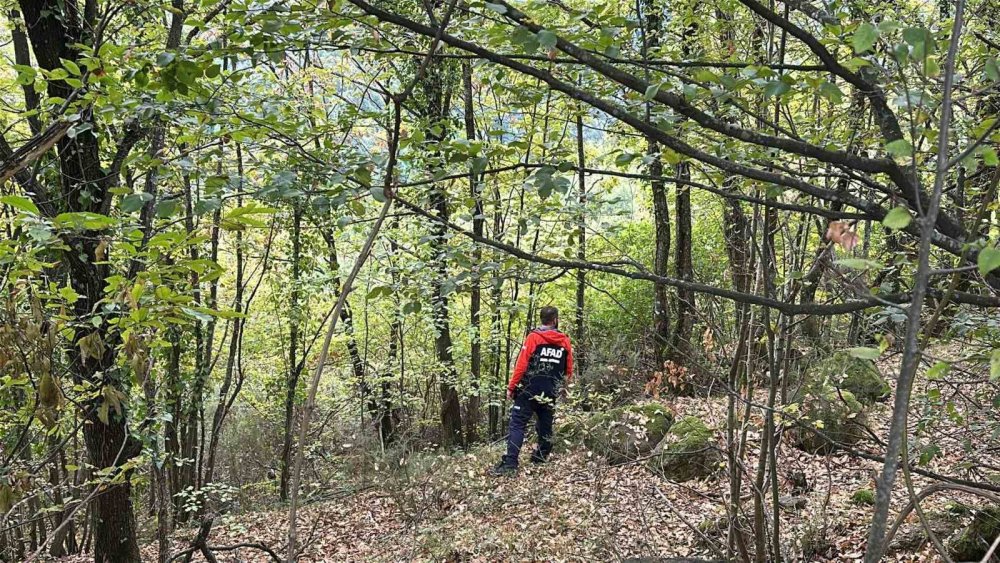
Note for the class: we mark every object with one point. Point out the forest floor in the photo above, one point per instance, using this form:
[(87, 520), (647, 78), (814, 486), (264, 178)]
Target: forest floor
[(575, 508)]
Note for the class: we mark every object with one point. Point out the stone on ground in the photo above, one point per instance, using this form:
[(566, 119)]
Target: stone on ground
[(843, 371), (627, 433), (686, 452)]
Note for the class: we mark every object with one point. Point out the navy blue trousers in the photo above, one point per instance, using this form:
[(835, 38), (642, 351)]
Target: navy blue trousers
[(526, 405)]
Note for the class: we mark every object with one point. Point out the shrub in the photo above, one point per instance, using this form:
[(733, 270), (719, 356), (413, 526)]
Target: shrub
[(863, 496)]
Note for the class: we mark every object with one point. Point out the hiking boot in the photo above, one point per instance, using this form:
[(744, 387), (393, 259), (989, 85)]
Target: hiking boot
[(503, 469)]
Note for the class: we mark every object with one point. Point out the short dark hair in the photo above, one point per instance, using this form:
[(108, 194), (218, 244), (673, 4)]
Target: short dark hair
[(548, 315)]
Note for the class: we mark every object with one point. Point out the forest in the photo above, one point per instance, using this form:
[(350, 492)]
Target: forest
[(278, 278)]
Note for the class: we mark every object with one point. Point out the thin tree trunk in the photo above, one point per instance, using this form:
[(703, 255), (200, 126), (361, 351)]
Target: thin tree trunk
[(310, 404), (294, 362), (580, 348), (911, 348)]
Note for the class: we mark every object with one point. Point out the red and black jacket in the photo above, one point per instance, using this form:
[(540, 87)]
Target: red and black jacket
[(545, 361)]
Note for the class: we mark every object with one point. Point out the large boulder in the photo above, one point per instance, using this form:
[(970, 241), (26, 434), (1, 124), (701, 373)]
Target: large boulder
[(843, 371), (627, 433), (687, 452), (975, 540), (830, 417)]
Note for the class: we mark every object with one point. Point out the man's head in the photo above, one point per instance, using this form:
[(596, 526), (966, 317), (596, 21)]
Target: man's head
[(549, 316)]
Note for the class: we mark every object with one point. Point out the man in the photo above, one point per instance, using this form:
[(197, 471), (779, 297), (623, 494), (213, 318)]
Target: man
[(545, 361)]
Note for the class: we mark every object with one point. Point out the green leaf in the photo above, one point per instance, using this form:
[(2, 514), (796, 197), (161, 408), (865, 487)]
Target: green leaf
[(83, 220), (651, 91), (199, 315), (900, 148), (69, 294), (989, 259), (931, 68), (163, 59), (20, 203), (379, 291), (167, 208), (378, 194), (625, 158), (993, 69), (859, 264), (921, 39), (498, 8), (990, 157), (775, 88), (995, 365), (898, 218), (831, 91), (547, 39), (72, 67), (864, 37), (134, 202), (938, 371), (864, 353)]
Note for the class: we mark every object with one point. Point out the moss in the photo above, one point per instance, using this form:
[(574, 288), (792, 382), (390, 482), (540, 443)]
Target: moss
[(911, 537), (659, 419), (863, 496), (860, 377), (626, 433), (975, 540), (829, 415), (686, 452)]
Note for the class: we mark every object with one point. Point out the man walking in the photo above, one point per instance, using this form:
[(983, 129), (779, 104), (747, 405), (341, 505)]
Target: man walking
[(545, 361)]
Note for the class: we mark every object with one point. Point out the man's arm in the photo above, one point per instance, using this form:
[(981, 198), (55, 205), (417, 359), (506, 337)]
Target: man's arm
[(522, 364)]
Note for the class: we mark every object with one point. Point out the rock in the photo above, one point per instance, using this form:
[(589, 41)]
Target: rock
[(843, 371), (713, 531), (792, 502), (975, 540), (627, 433), (569, 432), (835, 414), (687, 451), (911, 536), (799, 483)]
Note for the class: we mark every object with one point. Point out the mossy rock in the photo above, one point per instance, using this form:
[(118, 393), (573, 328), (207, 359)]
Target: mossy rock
[(687, 451), (911, 536), (845, 372), (975, 540), (570, 431), (829, 415), (627, 433)]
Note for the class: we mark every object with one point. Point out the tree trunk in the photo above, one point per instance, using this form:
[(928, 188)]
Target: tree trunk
[(680, 348), (436, 89), (651, 23), (451, 414), (475, 299), (294, 362), (579, 355), (54, 29)]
